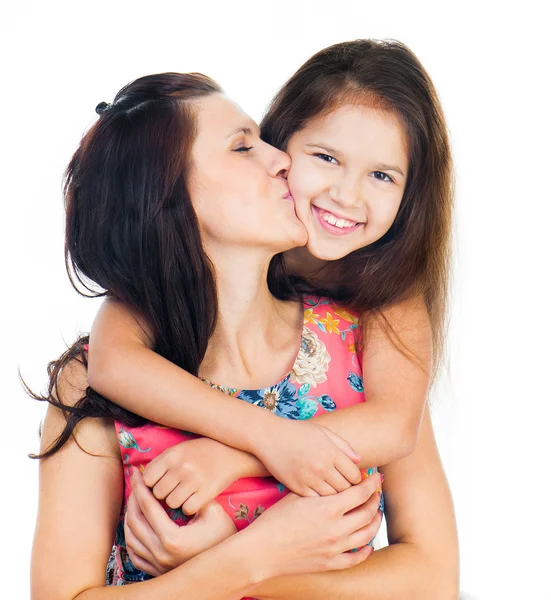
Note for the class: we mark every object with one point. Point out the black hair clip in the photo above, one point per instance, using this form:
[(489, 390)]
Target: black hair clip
[(102, 107)]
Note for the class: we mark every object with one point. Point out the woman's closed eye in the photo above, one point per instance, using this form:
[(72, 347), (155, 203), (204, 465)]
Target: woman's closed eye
[(243, 149)]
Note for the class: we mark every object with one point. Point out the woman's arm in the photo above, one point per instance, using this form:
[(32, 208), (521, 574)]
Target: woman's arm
[(422, 560), (80, 498), (79, 504)]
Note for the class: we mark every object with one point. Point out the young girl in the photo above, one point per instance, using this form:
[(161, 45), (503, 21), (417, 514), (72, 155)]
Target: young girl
[(371, 180)]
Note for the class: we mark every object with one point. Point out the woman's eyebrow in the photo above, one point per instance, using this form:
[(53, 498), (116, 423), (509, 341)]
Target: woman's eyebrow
[(245, 130)]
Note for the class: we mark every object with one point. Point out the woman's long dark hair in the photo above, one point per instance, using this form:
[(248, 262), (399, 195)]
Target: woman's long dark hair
[(132, 233), (413, 258)]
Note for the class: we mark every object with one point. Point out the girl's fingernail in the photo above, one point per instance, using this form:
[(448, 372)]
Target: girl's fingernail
[(380, 512), (382, 477)]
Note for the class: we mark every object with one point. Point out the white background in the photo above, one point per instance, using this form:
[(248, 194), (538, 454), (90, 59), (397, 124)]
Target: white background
[(489, 62)]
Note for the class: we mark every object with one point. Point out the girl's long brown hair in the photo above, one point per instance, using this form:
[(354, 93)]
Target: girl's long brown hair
[(413, 258)]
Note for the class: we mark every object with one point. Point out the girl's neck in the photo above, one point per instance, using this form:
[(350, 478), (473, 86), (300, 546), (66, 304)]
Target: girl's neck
[(299, 261), (253, 328)]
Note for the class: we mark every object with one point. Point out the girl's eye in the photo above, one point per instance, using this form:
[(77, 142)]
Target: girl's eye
[(327, 158), (243, 149), (382, 176)]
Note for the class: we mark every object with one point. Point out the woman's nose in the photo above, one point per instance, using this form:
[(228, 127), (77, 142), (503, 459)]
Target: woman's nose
[(280, 164)]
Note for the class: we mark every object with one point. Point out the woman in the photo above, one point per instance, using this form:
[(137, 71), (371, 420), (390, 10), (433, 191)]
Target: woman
[(81, 492)]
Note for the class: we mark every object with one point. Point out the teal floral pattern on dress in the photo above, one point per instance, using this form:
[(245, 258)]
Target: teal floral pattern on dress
[(326, 376), (126, 440)]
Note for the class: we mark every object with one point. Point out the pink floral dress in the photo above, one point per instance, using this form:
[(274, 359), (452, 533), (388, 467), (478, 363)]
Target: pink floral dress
[(326, 376)]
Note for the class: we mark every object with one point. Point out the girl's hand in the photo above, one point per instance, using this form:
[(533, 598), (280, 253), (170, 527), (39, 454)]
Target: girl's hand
[(309, 459), (191, 474), (307, 535), (156, 544)]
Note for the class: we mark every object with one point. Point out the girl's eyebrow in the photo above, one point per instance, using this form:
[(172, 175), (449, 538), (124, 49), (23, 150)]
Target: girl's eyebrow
[(327, 148), (385, 167)]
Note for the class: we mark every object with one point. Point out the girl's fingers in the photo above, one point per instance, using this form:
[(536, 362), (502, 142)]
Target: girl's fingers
[(343, 445), (192, 505), (337, 481), (178, 496), (153, 472), (348, 470), (165, 486), (324, 489)]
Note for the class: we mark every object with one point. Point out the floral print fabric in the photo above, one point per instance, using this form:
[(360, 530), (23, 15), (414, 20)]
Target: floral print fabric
[(326, 376)]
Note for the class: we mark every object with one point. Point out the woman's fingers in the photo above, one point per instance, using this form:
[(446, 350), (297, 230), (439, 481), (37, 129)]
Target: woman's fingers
[(141, 530), (154, 513), (358, 494), (134, 546), (362, 515), (143, 565), (350, 559), (363, 536)]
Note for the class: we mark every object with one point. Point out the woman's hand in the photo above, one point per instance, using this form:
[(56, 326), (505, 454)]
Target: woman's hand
[(156, 544), (307, 535), (309, 459), (191, 474)]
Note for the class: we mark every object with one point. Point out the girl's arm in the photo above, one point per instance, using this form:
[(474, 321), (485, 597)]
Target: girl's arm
[(385, 428), (422, 561), (123, 367)]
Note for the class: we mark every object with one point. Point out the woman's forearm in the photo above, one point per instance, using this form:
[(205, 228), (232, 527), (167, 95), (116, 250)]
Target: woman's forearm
[(211, 575), (400, 571)]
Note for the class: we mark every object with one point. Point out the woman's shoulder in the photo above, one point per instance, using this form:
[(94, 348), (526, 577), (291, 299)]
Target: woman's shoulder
[(92, 435), (328, 314)]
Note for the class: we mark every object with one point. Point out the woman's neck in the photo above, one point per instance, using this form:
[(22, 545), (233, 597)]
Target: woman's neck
[(254, 329)]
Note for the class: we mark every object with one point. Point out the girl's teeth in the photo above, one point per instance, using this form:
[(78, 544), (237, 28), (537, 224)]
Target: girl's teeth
[(332, 220)]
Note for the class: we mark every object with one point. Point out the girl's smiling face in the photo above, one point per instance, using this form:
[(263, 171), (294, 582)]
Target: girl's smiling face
[(348, 176)]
